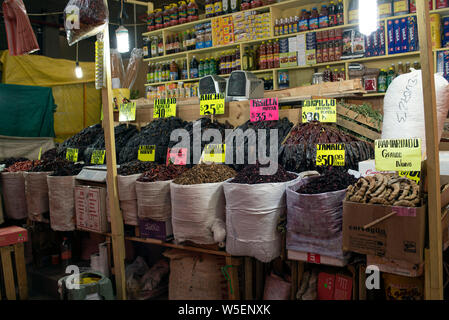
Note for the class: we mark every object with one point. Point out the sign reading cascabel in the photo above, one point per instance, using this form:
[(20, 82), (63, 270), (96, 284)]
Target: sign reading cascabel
[(398, 154)]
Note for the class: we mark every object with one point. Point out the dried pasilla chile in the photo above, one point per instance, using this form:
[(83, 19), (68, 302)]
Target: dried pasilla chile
[(251, 175), (332, 179), (134, 167), (204, 173), (22, 166), (156, 133), (162, 173), (10, 161), (81, 141), (298, 153), (49, 155), (58, 167)]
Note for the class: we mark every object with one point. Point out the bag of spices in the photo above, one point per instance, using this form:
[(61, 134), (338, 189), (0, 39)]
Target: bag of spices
[(61, 202), (128, 198), (13, 189), (36, 192)]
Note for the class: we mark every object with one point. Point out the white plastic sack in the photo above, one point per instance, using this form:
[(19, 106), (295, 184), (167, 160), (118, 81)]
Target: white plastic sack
[(153, 200), (404, 107), (62, 202), (36, 192), (13, 188), (252, 214), (198, 212)]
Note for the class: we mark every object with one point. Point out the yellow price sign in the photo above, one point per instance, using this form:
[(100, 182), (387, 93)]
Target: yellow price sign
[(398, 154), (322, 110), (40, 154), (72, 154), (127, 112), (330, 154), (98, 157), (215, 153), (412, 175), (164, 108), (211, 104), (147, 153)]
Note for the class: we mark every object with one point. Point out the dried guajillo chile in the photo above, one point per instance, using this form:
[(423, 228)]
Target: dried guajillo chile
[(81, 141), (22, 166), (156, 133), (385, 189), (331, 179), (298, 153), (250, 174), (204, 173), (162, 173), (134, 167), (10, 161)]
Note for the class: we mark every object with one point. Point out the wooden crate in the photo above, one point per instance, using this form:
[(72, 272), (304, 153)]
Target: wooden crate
[(9, 272)]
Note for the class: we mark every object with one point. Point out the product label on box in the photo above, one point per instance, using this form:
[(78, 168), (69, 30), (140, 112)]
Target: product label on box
[(214, 153), (97, 157), (313, 258), (146, 153), (211, 104), (164, 108), (412, 175), (127, 112), (322, 110), (266, 109), (72, 154), (398, 154), (330, 154), (177, 156)]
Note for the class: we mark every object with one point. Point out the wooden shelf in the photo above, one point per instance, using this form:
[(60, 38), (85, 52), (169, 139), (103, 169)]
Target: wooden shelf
[(374, 94), (155, 84)]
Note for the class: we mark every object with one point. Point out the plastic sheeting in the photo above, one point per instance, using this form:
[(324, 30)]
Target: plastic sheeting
[(36, 192), (314, 221), (198, 212), (252, 215), (153, 200), (62, 202), (13, 188), (29, 148)]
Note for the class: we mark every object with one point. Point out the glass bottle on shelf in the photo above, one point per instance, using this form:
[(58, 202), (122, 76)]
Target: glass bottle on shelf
[(340, 13), (245, 59), (400, 68), (238, 61)]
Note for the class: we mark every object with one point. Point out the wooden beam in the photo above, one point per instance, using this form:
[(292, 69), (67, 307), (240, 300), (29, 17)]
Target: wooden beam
[(117, 233), (19, 256), (249, 278), (433, 163), (8, 273)]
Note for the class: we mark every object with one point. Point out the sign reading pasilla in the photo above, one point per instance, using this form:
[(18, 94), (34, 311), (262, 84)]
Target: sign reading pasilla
[(330, 154), (398, 154), (164, 108), (322, 110), (146, 153), (266, 109), (211, 104)]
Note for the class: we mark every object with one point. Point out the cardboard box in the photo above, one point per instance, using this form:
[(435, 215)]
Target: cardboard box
[(161, 230), (12, 235), (401, 236), (402, 268), (90, 209)]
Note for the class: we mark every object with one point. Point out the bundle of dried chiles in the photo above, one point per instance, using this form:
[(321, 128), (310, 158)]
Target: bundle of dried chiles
[(22, 166), (251, 174), (162, 173), (204, 173), (386, 190), (332, 179), (59, 167), (134, 167)]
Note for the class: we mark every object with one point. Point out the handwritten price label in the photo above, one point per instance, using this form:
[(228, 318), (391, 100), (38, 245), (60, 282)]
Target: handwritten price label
[(215, 153), (146, 153), (330, 154), (398, 154), (72, 154), (127, 112), (322, 110), (266, 109), (211, 104), (97, 157), (164, 108), (177, 156)]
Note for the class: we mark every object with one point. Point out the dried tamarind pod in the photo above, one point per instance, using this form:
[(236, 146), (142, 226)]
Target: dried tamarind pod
[(404, 203), (396, 188), (405, 190), (379, 179), (378, 200), (415, 191), (372, 183), (381, 188)]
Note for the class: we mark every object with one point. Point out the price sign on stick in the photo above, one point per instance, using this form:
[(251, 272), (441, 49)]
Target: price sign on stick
[(266, 109), (177, 156), (215, 153), (40, 154), (398, 154), (97, 157), (212, 104), (72, 154), (164, 108), (322, 110), (330, 154), (127, 112), (146, 153)]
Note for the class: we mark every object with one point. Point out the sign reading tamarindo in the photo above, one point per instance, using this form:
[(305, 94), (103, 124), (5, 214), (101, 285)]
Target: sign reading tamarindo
[(398, 154)]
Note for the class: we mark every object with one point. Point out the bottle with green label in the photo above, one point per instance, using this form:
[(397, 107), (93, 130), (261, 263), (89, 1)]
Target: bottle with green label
[(212, 65), (382, 81), (390, 76), (201, 69)]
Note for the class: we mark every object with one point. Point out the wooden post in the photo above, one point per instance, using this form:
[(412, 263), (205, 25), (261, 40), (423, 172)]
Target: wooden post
[(248, 278), (433, 163), (117, 233)]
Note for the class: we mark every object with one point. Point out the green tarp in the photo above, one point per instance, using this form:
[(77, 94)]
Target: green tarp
[(26, 111)]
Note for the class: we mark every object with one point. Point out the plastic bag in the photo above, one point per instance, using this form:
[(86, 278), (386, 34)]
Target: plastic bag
[(13, 188), (84, 19), (276, 288), (36, 192), (133, 68), (62, 202), (117, 70)]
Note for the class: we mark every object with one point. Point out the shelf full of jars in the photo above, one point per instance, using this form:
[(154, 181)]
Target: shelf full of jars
[(287, 43)]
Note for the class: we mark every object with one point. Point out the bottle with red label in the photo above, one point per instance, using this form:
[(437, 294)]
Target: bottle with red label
[(262, 56), (174, 15), (413, 5), (270, 58), (166, 16), (158, 19), (340, 13), (150, 21), (332, 11), (276, 49), (323, 20), (192, 11), (182, 12), (327, 74), (440, 4)]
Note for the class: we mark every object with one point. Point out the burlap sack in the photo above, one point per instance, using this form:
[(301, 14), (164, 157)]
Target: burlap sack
[(61, 196), (13, 188), (153, 200), (128, 198), (36, 192)]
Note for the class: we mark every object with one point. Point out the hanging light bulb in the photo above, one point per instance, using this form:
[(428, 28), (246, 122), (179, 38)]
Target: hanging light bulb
[(78, 71), (122, 39), (368, 16)]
